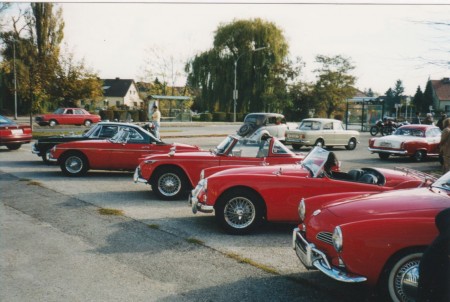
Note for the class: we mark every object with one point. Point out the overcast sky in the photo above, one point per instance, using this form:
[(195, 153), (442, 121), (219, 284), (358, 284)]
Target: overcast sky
[(384, 42)]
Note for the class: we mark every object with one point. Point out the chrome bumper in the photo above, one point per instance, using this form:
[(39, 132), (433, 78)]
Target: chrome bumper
[(297, 141), (398, 152), (195, 204), (311, 257), (137, 177)]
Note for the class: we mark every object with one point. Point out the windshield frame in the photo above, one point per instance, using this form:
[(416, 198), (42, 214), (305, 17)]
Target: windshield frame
[(315, 161), (442, 183)]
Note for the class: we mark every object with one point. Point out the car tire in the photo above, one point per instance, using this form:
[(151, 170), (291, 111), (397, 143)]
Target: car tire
[(319, 143), (52, 123), (239, 211), (296, 146), (74, 164), (402, 267), (87, 123), (419, 156), (13, 146), (383, 155), (169, 183), (245, 129), (351, 144)]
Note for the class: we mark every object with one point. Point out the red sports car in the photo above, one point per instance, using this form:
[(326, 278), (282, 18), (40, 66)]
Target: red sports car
[(68, 116), (416, 141), (13, 135), (174, 176), (121, 152), (377, 238), (242, 198)]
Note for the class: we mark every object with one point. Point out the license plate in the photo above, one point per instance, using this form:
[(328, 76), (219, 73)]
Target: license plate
[(385, 144), (301, 254), (17, 131)]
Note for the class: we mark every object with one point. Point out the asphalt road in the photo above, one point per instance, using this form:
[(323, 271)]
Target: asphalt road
[(55, 245)]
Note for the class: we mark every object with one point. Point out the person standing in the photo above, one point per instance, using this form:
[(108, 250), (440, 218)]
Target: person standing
[(429, 119), (416, 119), (156, 119), (445, 145), (434, 267), (440, 122)]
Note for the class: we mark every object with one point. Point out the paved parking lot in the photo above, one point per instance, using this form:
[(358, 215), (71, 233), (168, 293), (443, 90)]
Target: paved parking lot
[(56, 245)]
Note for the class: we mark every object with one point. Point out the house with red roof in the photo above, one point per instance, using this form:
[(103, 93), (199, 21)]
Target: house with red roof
[(441, 94)]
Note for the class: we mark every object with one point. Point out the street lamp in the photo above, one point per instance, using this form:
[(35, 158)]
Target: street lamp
[(15, 79), (235, 92)]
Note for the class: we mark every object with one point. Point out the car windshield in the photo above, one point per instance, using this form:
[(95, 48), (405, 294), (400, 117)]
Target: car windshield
[(409, 132), (315, 161), (224, 145), (443, 182), (309, 125), (257, 119), (5, 120)]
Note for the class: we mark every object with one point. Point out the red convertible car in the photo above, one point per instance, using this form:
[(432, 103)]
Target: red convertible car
[(68, 116), (242, 198), (174, 176), (377, 238), (416, 141), (121, 152), (13, 135)]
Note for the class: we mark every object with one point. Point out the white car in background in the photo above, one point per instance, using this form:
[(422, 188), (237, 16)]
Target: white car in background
[(257, 124), (322, 132)]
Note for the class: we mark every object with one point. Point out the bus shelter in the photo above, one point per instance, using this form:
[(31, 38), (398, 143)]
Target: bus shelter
[(363, 112), (171, 107)]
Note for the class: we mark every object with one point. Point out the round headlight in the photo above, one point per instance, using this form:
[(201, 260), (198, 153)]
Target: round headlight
[(337, 238), (302, 209)]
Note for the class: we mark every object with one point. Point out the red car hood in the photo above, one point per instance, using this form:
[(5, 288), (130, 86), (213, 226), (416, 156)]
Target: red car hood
[(187, 154), (185, 146), (389, 203), (290, 170)]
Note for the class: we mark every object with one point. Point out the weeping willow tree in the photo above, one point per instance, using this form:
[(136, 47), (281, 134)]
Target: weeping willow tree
[(259, 52)]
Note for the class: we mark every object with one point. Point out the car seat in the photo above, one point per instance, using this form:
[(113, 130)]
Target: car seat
[(369, 179), (355, 174)]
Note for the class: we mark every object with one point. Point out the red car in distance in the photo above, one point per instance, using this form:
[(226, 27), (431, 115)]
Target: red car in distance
[(121, 152), (68, 116), (173, 176), (13, 135)]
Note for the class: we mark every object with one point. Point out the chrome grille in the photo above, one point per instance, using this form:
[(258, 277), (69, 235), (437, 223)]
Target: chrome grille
[(325, 237)]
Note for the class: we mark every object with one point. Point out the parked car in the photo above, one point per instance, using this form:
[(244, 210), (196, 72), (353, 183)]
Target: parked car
[(68, 116), (417, 141), (257, 124), (174, 176), (376, 239), (101, 130), (13, 135), (121, 152), (242, 198), (322, 132)]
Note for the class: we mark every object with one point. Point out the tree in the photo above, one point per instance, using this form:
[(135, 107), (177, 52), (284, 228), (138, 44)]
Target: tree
[(334, 83), (428, 98), (261, 75), (419, 100)]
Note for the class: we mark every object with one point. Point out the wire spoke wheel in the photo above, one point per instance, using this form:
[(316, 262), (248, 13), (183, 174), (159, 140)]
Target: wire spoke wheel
[(239, 212), (169, 184)]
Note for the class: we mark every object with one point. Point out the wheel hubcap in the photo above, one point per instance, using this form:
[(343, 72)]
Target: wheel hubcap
[(74, 164), (169, 184), (406, 281), (239, 212)]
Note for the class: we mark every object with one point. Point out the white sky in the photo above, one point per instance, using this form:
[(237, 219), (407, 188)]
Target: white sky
[(384, 42)]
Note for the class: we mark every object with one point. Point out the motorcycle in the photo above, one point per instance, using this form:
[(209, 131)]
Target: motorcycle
[(386, 127)]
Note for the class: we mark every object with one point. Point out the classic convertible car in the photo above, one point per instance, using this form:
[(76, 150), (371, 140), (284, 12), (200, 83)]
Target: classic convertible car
[(101, 130), (375, 238), (121, 152), (416, 141), (68, 116), (242, 198), (174, 176)]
